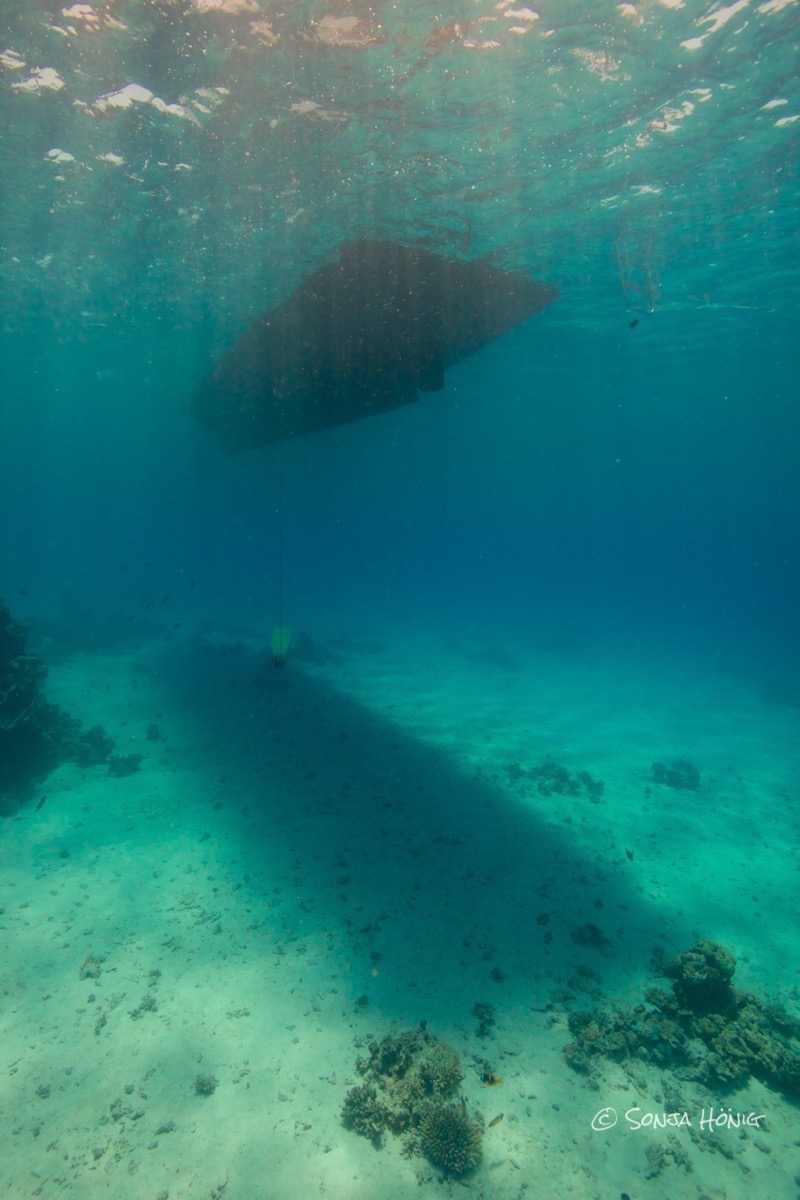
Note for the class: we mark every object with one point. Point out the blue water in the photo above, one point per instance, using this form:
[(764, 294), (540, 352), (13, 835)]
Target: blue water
[(585, 547), (614, 484)]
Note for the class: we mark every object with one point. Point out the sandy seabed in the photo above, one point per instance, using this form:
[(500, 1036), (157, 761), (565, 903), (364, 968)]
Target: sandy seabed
[(309, 859)]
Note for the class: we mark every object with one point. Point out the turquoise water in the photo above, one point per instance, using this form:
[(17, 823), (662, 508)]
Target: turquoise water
[(585, 546), (624, 478)]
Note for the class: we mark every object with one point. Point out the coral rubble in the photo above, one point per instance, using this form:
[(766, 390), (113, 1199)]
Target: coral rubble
[(551, 777), (681, 774), (704, 1028)]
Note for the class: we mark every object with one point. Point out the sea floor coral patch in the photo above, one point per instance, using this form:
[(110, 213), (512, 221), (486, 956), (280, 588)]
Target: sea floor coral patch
[(411, 1079)]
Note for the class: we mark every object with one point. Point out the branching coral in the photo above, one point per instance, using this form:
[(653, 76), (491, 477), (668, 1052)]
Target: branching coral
[(440, 1069), (450, 1138), (363, 1112)]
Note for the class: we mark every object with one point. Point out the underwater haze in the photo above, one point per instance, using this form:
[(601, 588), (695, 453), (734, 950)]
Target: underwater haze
[(529, 773)]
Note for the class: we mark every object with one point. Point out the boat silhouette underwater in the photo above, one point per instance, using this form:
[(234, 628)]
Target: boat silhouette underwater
[(362, 335)]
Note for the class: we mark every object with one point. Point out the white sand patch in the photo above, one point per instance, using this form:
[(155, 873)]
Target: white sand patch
[(305, 858)]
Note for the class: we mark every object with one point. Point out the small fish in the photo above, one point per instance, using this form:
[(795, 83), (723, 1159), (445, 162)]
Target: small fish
[(629, 854), (23, 592), (177, 625), (495, 1121), (634, 323), (543, 918), (165, 598), (548, 937), (41, 802), (463, 1107), (490, 1080)]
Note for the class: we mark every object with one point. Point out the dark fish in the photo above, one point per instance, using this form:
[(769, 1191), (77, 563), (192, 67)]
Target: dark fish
[(548, 937), (629, 853), (543, 918), (164, 599), (177, 625), (362, 335), (41, 803), (634, 323), (495, 1121)]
